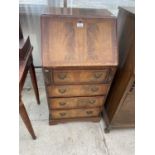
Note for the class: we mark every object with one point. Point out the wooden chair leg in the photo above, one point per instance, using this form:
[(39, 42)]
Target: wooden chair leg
[(34, 82), (26, 119)]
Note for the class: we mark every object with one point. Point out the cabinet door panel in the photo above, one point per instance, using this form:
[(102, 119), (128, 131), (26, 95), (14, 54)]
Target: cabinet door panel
[(126, 113)]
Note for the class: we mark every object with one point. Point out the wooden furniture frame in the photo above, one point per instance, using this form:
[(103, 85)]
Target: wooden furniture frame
[(79, 56), (25, 65), (119, 109)]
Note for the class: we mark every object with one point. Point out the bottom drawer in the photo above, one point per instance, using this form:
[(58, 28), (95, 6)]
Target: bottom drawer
[(75, 113)]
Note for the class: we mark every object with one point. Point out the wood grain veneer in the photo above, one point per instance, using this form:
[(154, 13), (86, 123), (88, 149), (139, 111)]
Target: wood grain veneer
[(79, 58)]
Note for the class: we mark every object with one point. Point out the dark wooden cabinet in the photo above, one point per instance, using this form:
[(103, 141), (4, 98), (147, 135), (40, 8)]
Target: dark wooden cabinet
[(120, 103), (79, 55)]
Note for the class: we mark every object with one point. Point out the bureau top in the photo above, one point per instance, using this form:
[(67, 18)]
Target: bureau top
[(78, 12), (79, 39)]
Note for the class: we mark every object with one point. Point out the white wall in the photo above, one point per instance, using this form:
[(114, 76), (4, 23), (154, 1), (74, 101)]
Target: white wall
[(30, 16)]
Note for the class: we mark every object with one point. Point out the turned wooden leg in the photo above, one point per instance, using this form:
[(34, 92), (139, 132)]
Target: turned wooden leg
[(34, 82), (26, 119)]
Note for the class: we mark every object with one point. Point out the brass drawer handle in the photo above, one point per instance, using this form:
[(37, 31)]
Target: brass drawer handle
[(62, 90), (97, 75), (62, 103), (92, 101), (89, 112), (62, 76), (94, 89), (62, 114)]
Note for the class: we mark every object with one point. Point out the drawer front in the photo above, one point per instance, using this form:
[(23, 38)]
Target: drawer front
[(75, 113), (77, 90), (78, 102), (80, 76)]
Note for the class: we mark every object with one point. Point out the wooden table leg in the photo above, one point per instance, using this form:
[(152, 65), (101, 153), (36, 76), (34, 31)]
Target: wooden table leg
[(34, 82), (26, 119)]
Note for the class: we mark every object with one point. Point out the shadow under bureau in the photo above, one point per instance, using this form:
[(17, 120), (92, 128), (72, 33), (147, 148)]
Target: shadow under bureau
[(79, 56)]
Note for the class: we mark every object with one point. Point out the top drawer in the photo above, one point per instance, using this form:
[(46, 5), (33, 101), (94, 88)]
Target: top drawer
[(80, 76)]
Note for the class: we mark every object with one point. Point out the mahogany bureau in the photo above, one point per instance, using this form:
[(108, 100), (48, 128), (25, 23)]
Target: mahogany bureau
[(79, 58)]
